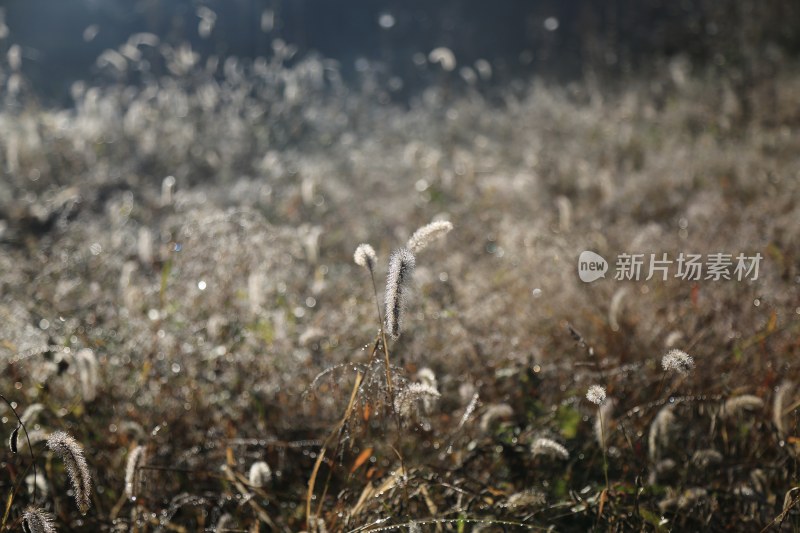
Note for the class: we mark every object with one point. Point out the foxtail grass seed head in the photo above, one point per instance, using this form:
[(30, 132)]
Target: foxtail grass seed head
[(31, 412), (526, 498), (615, 308), (738, 404), (659, 437), (498, 411), (401, 267), (37, 520), (260, 474), (133, 474), (406, 400), (71, 453), (691, 497), (427, 234), (365, 256), (471, 406), (677, 361), (87, 365), (444, 56), (549, 448), (781, 401), (426, 375), (704, 458), (167, 190), (662, 470), (596, 394)]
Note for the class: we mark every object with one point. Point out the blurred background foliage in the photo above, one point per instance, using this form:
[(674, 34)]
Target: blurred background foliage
[(563, 39)]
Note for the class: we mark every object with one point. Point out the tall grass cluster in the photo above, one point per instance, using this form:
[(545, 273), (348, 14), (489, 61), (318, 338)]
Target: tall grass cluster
[(192, 345)]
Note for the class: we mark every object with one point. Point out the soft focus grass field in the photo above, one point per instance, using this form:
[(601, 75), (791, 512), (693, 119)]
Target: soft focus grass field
[(230, 325)]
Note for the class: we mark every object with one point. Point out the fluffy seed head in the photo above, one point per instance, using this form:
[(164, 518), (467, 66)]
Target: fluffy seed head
[(71, 453), (737, 404), (86, 363), (473, 403), (677, 361), (406, 400), (133, 475), (782, 399), (660, 435), (596, 394), (401, 267), (527, 498), (37, 520), (704, 458), (260, 474), (427, 234), (494, 412), (444, 56), (549, 448), (365, 256), (31, 412), (691, 496), (425, 375)]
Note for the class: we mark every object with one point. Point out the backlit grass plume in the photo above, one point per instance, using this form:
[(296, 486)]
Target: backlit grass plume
[(738, 404), (68, 449), (677, 361), (427, 234), (549, 448), (407, 398), (596, 394), (365, 257), (401, 267), (37, 520), (260, 474), (781, 401), (660, 434), (133, 478)]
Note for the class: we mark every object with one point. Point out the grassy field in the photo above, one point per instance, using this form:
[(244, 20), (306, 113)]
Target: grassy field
[(178, 293)]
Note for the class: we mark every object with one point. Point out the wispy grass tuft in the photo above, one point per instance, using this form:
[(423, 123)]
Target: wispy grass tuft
[(401, 268), (427, 234), (37, 520), (133, 472), (71, 453)]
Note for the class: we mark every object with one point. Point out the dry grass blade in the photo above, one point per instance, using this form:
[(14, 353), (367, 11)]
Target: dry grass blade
[(323, 450)]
